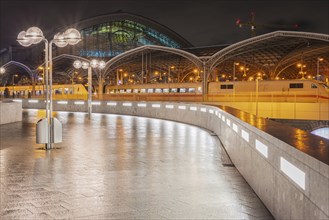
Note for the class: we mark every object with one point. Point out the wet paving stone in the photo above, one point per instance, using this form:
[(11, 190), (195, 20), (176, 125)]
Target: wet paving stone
[(120, 167)]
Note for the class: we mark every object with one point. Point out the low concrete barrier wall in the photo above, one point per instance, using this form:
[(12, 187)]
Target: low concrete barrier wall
[(287, 167), (10, 112)]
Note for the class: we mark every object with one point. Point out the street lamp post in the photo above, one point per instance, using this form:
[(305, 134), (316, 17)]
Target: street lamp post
[(301, 66), (170, 68), (85, 65), (257, 91), (43, 79), (234, 64), (13, 83), (318, 67), (34, 35)]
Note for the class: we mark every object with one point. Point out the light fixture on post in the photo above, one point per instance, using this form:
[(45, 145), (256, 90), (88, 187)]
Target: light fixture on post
[(301, 66), (234, 64), (2, 70), (319, 59), (86, 65), (34, 35)]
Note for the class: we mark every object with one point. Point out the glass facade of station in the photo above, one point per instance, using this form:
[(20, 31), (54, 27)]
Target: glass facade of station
[(112, 38)]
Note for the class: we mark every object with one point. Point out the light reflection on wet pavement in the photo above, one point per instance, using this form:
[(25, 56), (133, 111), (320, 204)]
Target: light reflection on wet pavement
[(119, 167)]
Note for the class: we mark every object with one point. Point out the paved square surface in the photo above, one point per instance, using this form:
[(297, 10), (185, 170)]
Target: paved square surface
[(120, 167)]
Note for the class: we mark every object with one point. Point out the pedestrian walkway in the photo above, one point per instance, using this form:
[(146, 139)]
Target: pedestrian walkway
[(120, 167)]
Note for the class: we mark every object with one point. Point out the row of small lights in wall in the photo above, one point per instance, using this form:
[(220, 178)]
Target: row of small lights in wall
[(293, 172)]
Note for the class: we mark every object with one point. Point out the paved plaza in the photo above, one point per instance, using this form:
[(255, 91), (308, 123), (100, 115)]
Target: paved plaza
[(120, 167)]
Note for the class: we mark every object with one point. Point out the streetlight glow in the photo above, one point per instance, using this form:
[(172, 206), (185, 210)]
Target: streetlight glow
[(88, 65), (101, 64), (85, 65), (93, 63), (72, 36), (2, 70), (59, 40), (34, 34), (318, 76), (23, 40), (77, 64)]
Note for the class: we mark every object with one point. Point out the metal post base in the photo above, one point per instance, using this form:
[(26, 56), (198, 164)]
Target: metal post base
[(49, 146)]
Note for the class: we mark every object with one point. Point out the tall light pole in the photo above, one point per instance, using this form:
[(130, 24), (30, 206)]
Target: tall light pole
[(86, 65), (13, 79), (34, 35), (320, 59), (301, 66), (170, 68), (13, 83), (234, 64), (43, 80), (119, 76), (257, 91)]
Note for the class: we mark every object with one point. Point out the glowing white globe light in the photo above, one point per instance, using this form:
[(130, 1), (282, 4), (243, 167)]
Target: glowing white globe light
[(2, 70), (94, 63), (34, 34), (101, 64), (72, 36), (23, 40), (77, 64), (59, 40), (85, 65)]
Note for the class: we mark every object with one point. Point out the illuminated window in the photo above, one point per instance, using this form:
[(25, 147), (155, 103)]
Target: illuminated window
[(191, 90), (182, 90)]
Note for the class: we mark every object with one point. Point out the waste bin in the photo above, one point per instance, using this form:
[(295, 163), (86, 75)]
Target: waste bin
[(57, 131), (42, 131)]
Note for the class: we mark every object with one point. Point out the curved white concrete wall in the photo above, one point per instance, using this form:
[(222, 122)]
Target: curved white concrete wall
[(291, 183)]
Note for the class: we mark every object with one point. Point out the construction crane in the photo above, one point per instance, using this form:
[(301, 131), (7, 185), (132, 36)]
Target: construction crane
[(252, 24)]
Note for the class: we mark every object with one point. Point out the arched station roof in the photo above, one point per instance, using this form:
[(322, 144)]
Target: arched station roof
[(275, 54), (11, 76)]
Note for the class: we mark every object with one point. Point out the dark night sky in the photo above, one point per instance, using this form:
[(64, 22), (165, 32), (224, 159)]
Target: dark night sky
[(202, 22)]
